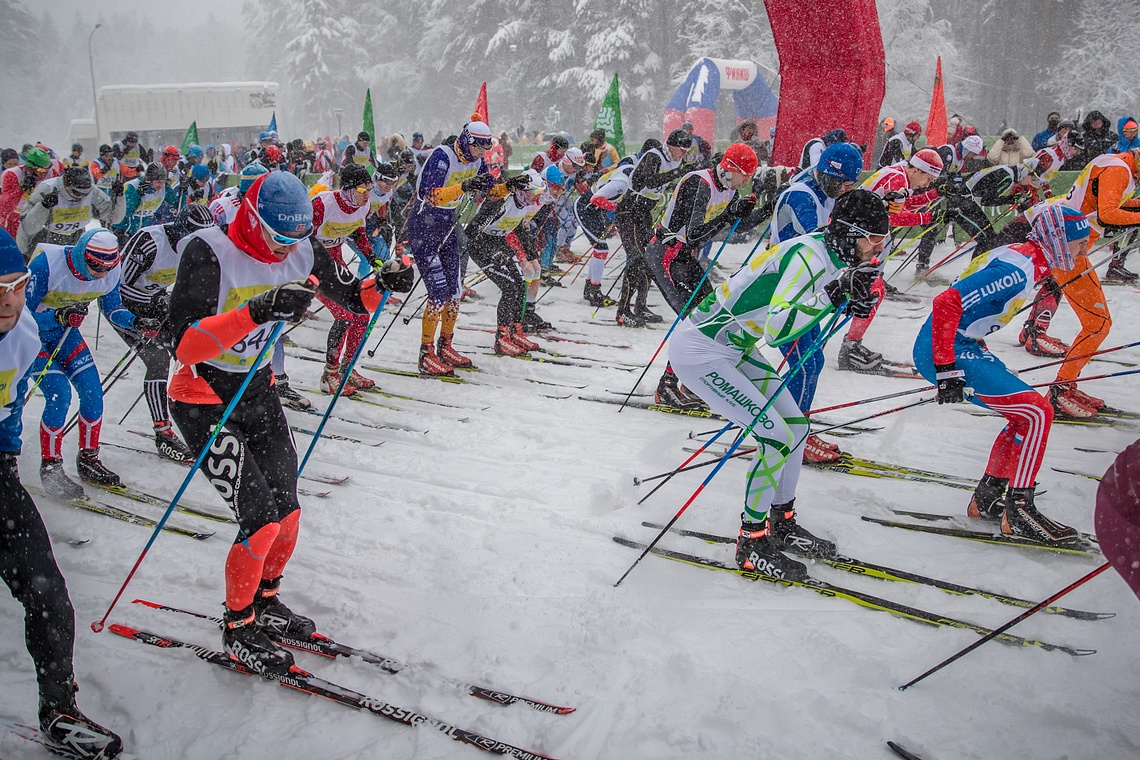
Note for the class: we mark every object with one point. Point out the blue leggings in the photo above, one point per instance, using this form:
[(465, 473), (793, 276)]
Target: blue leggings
[(803, 383), (73, 365)]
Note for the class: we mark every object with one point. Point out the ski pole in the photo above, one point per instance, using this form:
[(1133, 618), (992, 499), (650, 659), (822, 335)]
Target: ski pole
[(680, 315), (43, 372), (99, 624), (829, 331), (956, 252), (407, 297), (1084, 356), (137, 400), (343, 380), (617, 279), (999, 631), (314, 312), (408, 319), (1042, 296), (681, 467), (105, 387)]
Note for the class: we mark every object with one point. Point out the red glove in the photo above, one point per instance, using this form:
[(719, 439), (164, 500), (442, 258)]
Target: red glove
[(603, 203)]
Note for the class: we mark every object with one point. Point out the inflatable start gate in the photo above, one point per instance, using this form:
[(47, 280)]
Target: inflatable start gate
[(695, 100)]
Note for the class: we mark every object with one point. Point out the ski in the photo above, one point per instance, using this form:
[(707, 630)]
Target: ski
[(127, 492), (964, 521), (871, 464), (308, 683), (905, 754), (1097, 421), (654, 407), (557, 338), (314, 494), (333, 436), (858, 597), (23, 730), (1117, 414), (409, 373), (547, 358), (883, 572), (841, 426), (365, 423), (99, 508), (326, 647), (986, 537), (1079, 474), (388, 394)]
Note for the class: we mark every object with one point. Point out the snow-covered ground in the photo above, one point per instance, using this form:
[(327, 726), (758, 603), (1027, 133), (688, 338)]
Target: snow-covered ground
[(483, 547)]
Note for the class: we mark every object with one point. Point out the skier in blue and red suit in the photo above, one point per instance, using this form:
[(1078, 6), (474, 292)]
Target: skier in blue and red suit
[(950, 351), (449, 173)]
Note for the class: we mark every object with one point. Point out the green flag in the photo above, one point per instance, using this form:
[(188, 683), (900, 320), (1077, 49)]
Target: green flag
[(369, 125), (191, 137), (609, 118)]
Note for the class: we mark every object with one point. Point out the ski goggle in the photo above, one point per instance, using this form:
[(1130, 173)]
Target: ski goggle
[(17, 285), (99, 266), (280, 238), (873, 238)]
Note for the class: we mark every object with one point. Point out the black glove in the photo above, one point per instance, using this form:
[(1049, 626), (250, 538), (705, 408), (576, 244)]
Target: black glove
[(286, 302), (28, 182), (478, 184), (50, 200), (518, 182), (148, 328), (9, 461), (117, 187), (853, 285), (396, 275), (741, 206), (1022, 201), (71, 316), (951, 383)]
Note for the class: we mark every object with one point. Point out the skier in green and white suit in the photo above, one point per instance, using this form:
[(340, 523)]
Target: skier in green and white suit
[(781, 295)]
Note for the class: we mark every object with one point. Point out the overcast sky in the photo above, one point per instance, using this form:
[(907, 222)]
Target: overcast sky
[(172, 10)]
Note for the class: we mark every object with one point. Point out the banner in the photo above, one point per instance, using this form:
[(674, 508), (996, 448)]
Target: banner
[(191, 137), (936, 123), (481, 105), (369, 125), (609, 118)]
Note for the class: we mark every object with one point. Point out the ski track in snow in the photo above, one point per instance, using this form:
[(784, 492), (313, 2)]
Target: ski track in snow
[(484, 548)]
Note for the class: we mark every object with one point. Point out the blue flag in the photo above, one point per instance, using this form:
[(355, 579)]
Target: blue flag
[(273, 122)]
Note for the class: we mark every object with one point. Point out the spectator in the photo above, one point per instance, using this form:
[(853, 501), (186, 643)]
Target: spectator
[(1128, 139), (1010, 150), (703, 148), (505, 142), (1099, 139), (1064, 127), (899, 147), (1042, 138), (957, 130), (604, 154), (9, 158)]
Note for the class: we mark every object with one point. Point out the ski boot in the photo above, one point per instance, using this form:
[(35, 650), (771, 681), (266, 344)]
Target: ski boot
[(649, 317), (532, 322), (1021, 518), (518, 337), (988, 501), (273, 615), (245, 642), (1117, 274), (553, 269), (56, 483), (505, 344), (68, 732), (755, 550), (449, 355), (855, 357), (1037, 343), (92, 470), (169, 445), (469, 294), (790, 535), (548, 280), (819, 451), (1067, 403), (627, 318), (564, 255), (1086, 399), (431, 364), (331, 378), (669, 394), (360, 381), (290, 397), (594, 295)]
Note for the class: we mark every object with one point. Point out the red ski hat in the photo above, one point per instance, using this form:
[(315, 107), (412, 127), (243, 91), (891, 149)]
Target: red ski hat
[(913, 129), (740, 158), (1118, 515)]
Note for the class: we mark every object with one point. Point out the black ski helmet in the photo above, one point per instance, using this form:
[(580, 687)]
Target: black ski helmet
[(193, 217), (856, 214), (560, 142), (153, 172), (679, 138), (78, 179), (354, 175), (386, 173)]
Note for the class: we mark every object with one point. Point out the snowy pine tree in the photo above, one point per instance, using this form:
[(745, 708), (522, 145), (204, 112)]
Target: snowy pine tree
[(322, 65), (1099, 69)]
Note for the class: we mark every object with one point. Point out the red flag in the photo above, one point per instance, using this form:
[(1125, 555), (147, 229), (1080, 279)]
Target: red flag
[(481, 105), (936, 124)]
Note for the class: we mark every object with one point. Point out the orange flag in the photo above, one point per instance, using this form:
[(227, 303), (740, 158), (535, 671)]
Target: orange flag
[(481, 105), (936, 124)]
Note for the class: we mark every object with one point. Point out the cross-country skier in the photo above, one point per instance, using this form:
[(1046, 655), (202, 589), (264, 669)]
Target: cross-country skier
[(17, 184), (27, 563), (950, 351), (149, 266), (143, 198), (899, 147), (447, 176), (232, 290), (595, 212), (777, 298), (64, 281), (60, 208)]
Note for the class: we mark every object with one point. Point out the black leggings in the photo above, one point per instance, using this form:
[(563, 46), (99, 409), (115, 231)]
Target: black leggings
[(252, 463), (157, 360), (686, 272), (497, 260), (28, 567), (635, 230)]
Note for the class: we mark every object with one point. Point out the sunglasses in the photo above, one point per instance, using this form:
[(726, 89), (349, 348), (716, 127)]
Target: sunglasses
[(872, 238), (480, 142), (97, 266), (279, 237), (17, 285)]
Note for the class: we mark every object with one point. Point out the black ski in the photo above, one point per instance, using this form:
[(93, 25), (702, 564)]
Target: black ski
[(126, 516), (905, 754), (987, 537), (858, 597), (128, 492), (965, 521), (882, 572), (308, 683), (654, 407), (326, 647)]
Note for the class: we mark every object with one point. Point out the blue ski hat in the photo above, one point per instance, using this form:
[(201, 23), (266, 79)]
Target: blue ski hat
[(200, 171), (842, 161), (283, 204), (1054, 225), (195, 151), (553, 175), (11, 260), (249, 175), (1076, 224), (263, 136)]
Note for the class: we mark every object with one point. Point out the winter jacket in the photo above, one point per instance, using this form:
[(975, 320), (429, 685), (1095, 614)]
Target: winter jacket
[(1123, 145), (1010, 155), (1042, 138), (1097, 142)]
